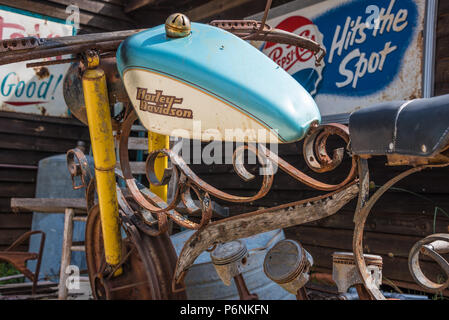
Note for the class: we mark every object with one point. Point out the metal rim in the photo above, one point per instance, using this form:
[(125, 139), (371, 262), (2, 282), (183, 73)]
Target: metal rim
[(148, 265), (415, 269)]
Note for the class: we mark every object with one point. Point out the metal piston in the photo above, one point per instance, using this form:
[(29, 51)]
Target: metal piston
[(288, 264), (229, 259), (345, 274)]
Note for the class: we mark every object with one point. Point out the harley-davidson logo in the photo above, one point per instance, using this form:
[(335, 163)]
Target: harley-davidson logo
[(161, 104)]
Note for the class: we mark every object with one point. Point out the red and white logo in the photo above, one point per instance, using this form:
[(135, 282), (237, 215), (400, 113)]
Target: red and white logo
[(298, 62)]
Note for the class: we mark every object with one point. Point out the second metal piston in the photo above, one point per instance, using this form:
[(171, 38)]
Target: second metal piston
[(288, 264), (345, 272)]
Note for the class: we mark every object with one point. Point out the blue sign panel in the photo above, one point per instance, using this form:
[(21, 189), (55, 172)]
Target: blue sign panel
[(374, 51)]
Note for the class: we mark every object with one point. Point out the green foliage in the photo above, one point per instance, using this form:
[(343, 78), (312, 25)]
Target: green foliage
[(6, 269)]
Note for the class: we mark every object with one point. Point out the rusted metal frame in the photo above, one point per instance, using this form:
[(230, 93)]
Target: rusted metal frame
[(201, 184), (101, 277), (206, 204), (364, 206), (148, 263), (78, 166), (265, 14), (173, 214), (189, 180), (90, 194), (431, 246), (20, 44), (245, 26), (51, 62), (362, 292), (325, 163), (78, 58), (241, 28), (17, 166), (284, 37), (242, 289), (260, 31), (308, 155), (13, 57), (266, 156), (302, 294), (36, 48), (30, 48), (149, 200), (259, 221), (315, 151), (255, 30), (124, 203), (129, 179), (18, 259), (182, 191), (132, 217)]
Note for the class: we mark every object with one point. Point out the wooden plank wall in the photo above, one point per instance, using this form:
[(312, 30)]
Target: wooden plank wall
[(24, 140), (198, 10), (442, 50), (95, 15)]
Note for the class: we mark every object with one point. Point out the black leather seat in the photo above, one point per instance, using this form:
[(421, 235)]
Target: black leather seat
[(415, 128)]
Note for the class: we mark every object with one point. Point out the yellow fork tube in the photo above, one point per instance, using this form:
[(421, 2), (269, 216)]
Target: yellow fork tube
[(100, 128), (158, 141)]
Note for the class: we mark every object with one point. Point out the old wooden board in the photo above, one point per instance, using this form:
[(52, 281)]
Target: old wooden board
[(47, 205), (442, 55), (212, 8), (264, 220)]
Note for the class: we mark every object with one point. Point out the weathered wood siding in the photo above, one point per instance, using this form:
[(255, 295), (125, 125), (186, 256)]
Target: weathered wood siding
[(442, 50), (24, 140), (95, 15)]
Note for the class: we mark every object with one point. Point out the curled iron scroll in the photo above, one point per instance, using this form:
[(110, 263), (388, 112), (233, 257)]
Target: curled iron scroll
[(364, 206), (78, 166), (186, 180), (431, 246)]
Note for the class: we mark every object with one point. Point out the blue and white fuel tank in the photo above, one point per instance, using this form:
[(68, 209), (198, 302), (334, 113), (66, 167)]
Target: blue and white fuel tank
[(208, 84)]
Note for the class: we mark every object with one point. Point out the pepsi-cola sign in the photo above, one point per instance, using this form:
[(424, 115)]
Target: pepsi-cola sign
[(300, 63), (374, 51)]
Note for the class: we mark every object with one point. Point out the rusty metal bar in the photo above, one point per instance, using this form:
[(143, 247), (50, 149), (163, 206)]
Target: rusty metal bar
[(17, 166)]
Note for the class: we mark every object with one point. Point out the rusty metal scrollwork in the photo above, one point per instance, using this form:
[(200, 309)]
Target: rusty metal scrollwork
[(78, 166), (188, 182), (363, 210), (432, 246)]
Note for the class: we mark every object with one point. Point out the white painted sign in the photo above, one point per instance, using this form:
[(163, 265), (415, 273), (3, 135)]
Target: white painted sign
[(32, 90)]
